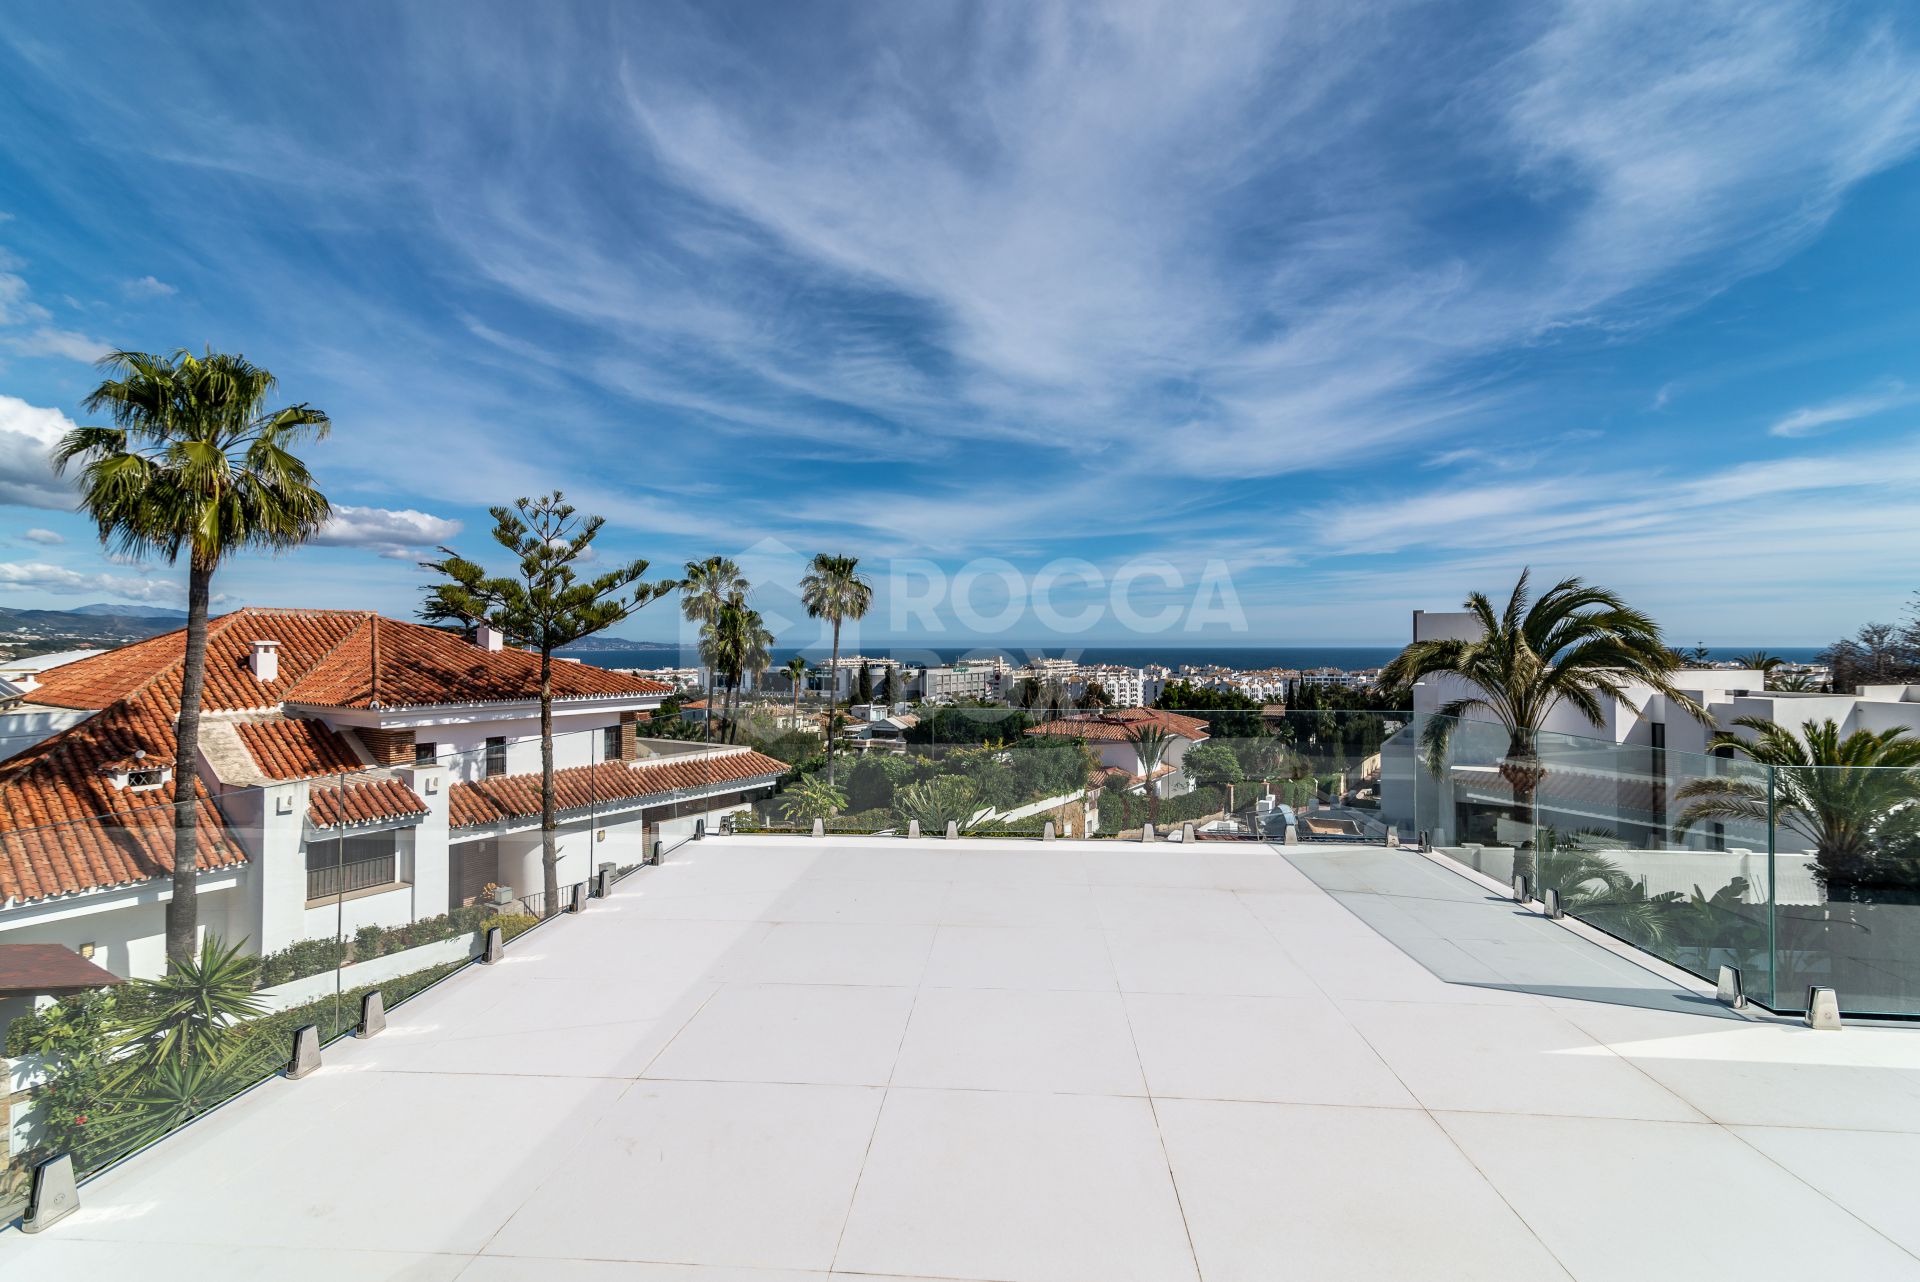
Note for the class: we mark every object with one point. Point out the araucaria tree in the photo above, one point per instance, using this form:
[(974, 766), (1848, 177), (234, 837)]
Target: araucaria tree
[(542, 604), (835, 590), (195, 462), (1577, 644)]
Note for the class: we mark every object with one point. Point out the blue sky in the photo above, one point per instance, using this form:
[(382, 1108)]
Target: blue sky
[(1312, 314)]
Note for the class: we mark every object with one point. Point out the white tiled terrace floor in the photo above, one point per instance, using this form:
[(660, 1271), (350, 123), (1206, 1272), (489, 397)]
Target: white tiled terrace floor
[(779, 1060)]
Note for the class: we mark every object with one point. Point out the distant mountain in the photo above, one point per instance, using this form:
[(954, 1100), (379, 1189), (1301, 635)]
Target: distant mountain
[(600, 645), (77, 629), (105, 610)]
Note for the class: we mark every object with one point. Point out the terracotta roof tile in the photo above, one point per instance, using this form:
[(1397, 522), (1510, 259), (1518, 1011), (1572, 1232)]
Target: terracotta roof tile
[(371, 801), (390, 664), (1121, 726), (64, 828), (297, 748), (518, 796)]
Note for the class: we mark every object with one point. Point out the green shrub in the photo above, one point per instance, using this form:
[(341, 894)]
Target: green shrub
[(512, 924), (299, 960)]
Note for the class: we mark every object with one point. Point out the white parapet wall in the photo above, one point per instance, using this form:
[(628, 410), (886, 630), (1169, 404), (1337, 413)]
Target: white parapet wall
[(375, 970)]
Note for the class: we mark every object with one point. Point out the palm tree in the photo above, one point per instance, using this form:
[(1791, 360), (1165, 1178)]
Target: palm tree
[(1095, 696), (1151, 741), (1598, 891), (1763, 662), (814, 798), (796, 671), (707, 587), (1841, 795), (834, 589), (734, 643), (1576, 645), (194, 462)]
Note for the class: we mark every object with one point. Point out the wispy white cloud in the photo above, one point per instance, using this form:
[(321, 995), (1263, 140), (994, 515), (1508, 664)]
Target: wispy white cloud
[(46, 538), (943, 279), (403, 534), (46, 340), (60, 580), (1809, 420), (149, 287), (27, 434)]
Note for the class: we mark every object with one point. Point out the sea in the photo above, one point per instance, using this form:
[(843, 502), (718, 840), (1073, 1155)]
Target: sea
[(1245, 658)]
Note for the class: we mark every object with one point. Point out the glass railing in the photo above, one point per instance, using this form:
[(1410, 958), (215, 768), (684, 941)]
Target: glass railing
[(1600, 826), (318, 891), (1110, 773), (315, 891), (1797, 875)]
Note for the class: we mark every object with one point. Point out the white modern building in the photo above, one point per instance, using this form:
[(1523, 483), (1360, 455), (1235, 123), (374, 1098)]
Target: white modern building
[(1623, 775), (352, 770)]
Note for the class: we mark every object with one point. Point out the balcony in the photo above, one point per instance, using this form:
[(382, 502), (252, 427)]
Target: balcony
[(776, 1058), (332, 880)]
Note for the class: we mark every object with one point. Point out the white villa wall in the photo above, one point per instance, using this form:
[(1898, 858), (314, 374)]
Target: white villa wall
[(1627, 721), (394, 907), (576, 742), (127, 928)]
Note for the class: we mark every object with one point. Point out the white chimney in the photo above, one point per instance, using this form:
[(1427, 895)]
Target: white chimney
[(265, 660), (490, 638)]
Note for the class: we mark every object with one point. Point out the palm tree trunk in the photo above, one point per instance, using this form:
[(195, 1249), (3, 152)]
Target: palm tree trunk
[(833, 696), (183, 910), (1523, 772), (549, 817)]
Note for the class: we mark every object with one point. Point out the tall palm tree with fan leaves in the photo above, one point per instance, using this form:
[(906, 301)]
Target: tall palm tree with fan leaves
[(735, 644), (834, 589), (796, 670), (196, 463), (704, 591), (1576, 645)]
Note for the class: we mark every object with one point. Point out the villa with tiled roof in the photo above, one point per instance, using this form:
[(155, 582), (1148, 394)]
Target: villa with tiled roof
[(1113, 736), (353, 770)]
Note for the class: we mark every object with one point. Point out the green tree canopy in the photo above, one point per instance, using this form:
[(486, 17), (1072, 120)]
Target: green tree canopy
[(543, 604)]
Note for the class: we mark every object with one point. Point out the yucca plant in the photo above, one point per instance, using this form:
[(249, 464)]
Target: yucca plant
[(938, 802), (1151, 743), (190, 1013)]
